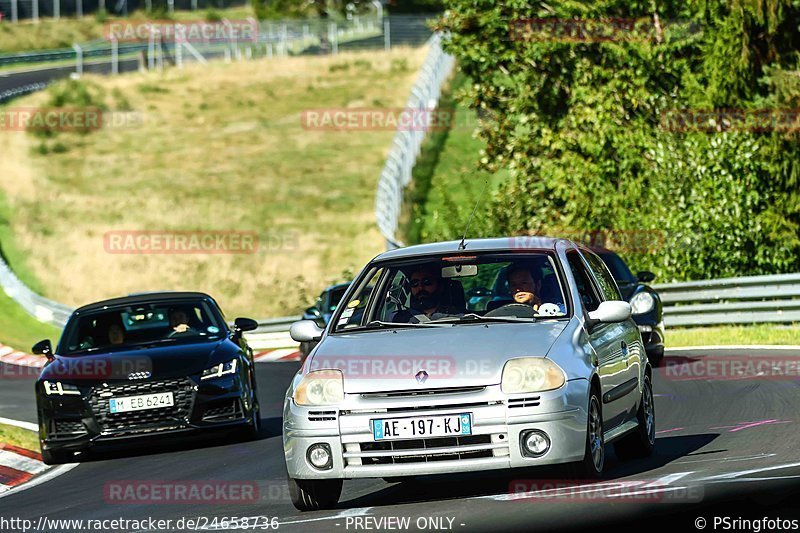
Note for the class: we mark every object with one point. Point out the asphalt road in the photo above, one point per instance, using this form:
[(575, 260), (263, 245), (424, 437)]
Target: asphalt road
[(727, 446)]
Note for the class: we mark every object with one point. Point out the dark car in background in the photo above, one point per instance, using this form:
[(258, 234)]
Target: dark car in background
[(322, 310), (142, 366), (647, 310)]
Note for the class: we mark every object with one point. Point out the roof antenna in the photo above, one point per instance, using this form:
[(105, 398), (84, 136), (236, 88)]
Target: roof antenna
[(462, 245)]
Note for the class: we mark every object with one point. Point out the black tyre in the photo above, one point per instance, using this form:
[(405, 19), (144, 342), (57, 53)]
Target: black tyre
[(655, 356), (314, 494), (56, 457), (640, 443), (594, 459), (253, 429)]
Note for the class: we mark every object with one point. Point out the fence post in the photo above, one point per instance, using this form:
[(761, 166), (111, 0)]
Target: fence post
[(80, 9), (35, 10), (171, 6), (387, 35), (114, 56), (194, 5), (57, 9), (14, 11), (78, 59), (151, 49), (333, 37)]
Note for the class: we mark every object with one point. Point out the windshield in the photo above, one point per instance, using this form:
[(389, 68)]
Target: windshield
[(617, 266), (449, 290), (123, 327)]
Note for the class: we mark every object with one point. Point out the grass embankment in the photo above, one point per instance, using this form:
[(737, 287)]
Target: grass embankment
[(218, 148), (24, 438), (763, 334), (50, 33)]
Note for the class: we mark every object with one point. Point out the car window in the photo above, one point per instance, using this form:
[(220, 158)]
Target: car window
[(585, 288), (354, 313), (607, 284)]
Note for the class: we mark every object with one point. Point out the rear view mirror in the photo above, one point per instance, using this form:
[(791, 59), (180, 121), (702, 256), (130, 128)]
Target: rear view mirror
[(305, 331), (245, 324), (610, 311), (459, 271)]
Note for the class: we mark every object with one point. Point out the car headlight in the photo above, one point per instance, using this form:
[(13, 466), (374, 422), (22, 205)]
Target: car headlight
[(56, 388), (222, 369), (642, 303), (321, 387), (531, 374)]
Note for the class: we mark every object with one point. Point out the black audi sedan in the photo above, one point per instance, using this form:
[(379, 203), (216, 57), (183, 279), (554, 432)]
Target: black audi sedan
[(645, 302), (144, 365)]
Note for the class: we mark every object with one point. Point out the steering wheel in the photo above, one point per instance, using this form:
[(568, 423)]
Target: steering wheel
[(513, 309), (174, 333)]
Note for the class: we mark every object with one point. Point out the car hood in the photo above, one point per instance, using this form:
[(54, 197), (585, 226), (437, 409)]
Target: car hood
[(161, 362), (459, 356)]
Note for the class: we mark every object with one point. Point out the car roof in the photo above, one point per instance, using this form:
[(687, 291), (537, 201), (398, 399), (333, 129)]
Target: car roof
[(519, 243), (144, 298)]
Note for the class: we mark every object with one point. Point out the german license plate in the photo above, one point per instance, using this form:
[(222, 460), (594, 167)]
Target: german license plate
[(141, 403), (422, 427)]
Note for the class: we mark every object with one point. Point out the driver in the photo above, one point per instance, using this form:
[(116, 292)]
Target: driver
[(178, 320), (427, 295)]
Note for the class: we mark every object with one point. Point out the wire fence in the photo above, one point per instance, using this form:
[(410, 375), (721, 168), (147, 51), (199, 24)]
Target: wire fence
[(396, 174)]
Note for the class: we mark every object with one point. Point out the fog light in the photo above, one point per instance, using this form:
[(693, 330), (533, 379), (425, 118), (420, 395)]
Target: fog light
[(535, 443), (645, 328), (319, 455)]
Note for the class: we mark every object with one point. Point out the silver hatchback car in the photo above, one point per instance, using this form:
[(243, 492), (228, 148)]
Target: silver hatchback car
[(423, 370)]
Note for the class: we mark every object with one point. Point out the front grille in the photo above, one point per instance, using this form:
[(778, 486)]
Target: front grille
[(66, 429), (321, 416), (531, 401), (426, 450), (225, 410), (424, 392), (449, 407), (150, 419)]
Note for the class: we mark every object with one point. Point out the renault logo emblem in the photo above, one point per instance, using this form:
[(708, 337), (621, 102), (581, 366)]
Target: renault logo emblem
[(421, 376)]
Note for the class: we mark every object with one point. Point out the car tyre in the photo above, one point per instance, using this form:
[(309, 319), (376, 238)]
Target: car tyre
[(641, 442), (655, 356), (314, 494), (53, 457), (253, 429), (594, 459)]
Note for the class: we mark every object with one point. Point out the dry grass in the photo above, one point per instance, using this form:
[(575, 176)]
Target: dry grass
[(220, 148)]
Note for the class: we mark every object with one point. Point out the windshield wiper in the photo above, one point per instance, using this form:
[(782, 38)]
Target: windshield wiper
[(380, 324), (472, 317)]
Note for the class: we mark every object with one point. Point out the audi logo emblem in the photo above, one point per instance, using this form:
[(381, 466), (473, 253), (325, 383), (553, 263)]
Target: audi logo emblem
[(139, 375)]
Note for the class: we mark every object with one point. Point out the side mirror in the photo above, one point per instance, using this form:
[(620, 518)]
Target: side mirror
[(610, 311), (245, 324), (44, 348), (645, 276), (313, 311), (305, 331)]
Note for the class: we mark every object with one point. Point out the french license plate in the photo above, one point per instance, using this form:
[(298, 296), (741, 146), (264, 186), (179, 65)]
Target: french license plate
[(422, 427), (141, 403)]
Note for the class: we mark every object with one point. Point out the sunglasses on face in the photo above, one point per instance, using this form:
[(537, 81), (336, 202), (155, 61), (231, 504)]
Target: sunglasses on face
[(427, 282)]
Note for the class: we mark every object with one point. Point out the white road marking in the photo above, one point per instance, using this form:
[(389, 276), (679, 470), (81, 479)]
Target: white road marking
[(734, 347), (20, 462), (668, 479), (44, 478), (729, 459), (358, 511), (19, 424), (733, 475)]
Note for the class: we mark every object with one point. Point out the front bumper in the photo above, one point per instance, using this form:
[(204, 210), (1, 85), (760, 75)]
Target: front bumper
[(78, 422), (498, 422)]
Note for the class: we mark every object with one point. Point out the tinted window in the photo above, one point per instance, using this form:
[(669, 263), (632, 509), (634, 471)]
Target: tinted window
[(617, 266), (607, 284), (583, 279)]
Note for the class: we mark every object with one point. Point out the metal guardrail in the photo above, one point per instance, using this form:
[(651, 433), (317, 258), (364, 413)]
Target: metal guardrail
[(38, 306), (396, 174), (16, 92), (746, 300)]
